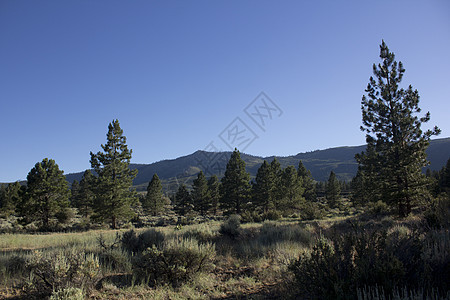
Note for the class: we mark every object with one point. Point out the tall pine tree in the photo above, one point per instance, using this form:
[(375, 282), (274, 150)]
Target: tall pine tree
[(333, 190), (47, 193), (214, 193), (183, 205), (85, 195), (263, 188), (396, 144), (200, 194), (292, 189), (308, 182), (113, 194), (154, 202), (235, 185)]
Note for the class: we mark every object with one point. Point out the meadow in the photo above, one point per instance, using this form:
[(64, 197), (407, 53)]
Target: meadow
[(352, 257)]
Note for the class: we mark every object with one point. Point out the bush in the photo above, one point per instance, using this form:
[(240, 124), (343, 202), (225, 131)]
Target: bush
[(438, 214), (70, 293), (271, 215), (271, 234), (147, 239), (336, 268), (60, 270), (174, 263), (231, 227), (377, 208), (311, 211)]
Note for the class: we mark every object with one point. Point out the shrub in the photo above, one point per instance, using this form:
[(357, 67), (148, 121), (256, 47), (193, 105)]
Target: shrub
[(231, 227), (147, 239), (272, 215), (60, 270), (176, 262), (271, 234), (377, 208), (336, 268), (70, 293), (311, 211), (438, 214)]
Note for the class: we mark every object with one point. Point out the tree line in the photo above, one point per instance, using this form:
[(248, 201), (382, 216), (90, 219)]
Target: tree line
[(390, 171)]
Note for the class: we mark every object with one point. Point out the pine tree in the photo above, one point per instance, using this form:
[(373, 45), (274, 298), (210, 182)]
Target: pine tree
[(74, 188), (10, 197), (263, 188), (214, 193), (47, 193), (183, 201), (200, 194), (113, 194), (396, 144), (235, 185), (333, 190), (308, 182), (154, 202), (277, 192), (292, 189), (85, 196)]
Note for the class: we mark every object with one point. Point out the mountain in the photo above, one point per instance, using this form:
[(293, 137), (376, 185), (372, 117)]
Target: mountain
[(341, 160)]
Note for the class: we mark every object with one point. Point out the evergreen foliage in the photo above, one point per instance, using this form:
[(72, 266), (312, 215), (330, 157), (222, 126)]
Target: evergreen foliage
[(113, 194), (396, 144), (333, 190), (154, 200), (292, 189), (10, 197), (47, 193), (183, 201), (308, 182), (214, 193), (263, 188), (200, 194), (235, 185), (85, 194)]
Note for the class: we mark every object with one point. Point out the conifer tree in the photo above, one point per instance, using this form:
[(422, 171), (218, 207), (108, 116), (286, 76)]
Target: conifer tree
[(292, 189), (263, 188), (183, 205), (154, 202), (308, 182), (113, 194), (214, 193), (85, 195), (200, 194), (333, 190), (10, 197), (47, 192), (277, 171), (396, 144), (235, 185)]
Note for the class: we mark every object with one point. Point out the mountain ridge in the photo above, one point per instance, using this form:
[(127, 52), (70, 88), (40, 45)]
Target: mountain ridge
[(340, 159)]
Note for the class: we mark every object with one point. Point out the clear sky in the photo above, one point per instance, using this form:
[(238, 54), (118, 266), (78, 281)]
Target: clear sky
[(177, 74)]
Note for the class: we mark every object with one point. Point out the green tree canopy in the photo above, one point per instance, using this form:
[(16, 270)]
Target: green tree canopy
[(183, 201), (113, 194), (396, 144), (308, 182), (153, 202), (85, 194), (10, 197), (214, 193), (235, 185), (292, 189), (333, 190), (263, 188), (200, 195), (47, 193)]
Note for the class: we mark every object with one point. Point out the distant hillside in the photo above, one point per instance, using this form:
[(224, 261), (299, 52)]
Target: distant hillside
[(320, 162)]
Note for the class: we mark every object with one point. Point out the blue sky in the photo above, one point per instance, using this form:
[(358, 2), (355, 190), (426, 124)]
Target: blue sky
[(177, 74)]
